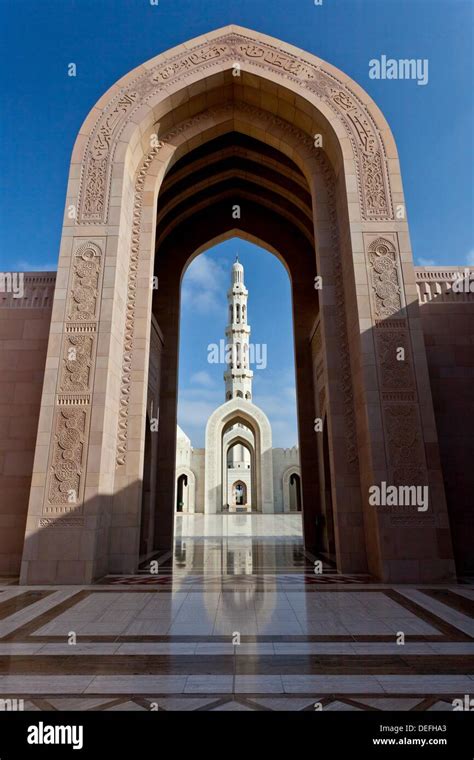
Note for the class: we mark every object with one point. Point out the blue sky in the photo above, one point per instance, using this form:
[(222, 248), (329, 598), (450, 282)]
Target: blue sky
[(43, 108), (203, 321)]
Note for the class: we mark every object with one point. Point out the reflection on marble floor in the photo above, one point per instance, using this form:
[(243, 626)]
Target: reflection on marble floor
[(231, 544), (236, 619)]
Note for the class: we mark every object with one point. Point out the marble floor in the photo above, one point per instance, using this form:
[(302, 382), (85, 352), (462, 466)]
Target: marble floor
[(236, 619)]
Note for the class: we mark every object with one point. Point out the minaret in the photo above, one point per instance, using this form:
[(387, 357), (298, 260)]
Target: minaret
[(238, 376)]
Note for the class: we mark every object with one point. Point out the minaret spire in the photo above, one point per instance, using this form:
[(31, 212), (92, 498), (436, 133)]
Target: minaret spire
[(238, 376)]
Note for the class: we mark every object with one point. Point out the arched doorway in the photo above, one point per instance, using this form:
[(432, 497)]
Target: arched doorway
[(182, 494), (295, 492), (185, 490), (240, 463), (210, 144), (239, 492), (238, 421), (292, 490)]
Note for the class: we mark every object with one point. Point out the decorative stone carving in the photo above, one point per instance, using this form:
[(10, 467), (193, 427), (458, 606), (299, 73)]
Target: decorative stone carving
[(66, 463), (404, 444), (374, 195), (61, 522), (130, 309), (405, 448), (74, 388), (345, 375), (361, 129), (395, 374), (85, 283), (76, 364), (384, 278)]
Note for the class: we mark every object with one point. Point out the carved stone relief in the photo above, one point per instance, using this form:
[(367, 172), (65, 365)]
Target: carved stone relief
[(362, 131), (74, 390), (384, 278), (396, 374), (405, 445), (67, 459), (404, 433), (85, 283), (76, 369)]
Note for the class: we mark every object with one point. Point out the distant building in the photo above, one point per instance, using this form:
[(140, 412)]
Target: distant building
[(238, 470)]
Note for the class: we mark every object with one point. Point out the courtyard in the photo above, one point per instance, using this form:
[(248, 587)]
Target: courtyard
[(237, 619)]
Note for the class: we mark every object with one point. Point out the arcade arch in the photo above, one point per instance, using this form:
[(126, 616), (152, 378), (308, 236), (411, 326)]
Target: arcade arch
[(181, 153)]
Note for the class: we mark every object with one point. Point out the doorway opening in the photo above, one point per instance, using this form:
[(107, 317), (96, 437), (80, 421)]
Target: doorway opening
[(234, 320), (295, 492)]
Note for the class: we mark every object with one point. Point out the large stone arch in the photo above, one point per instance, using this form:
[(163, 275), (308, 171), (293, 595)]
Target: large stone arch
[(238, 410), (84, 518)]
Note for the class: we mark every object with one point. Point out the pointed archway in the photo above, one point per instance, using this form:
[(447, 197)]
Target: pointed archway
[(84, 510)]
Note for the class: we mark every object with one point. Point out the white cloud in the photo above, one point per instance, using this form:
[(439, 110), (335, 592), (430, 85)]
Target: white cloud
[(422, 262), (192, 418), (204, 285), (194, 413), (213, 395), (195, 406), (202, 378)]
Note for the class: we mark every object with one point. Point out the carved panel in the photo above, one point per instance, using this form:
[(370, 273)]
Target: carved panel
[(405, 447), (384, 278), (395, 374), (76, 366), (62, 522), (366, 140), (66, 466), (128, 341), (83, 298), (74, 389)]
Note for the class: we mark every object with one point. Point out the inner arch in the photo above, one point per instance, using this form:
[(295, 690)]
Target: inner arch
[(197, 205)]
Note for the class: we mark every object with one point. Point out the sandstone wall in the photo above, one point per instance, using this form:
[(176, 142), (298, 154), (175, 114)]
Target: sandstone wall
[(24, 330), (448, 327)]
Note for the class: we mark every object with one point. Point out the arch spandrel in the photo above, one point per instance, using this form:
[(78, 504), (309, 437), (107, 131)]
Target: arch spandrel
[(360, 129)]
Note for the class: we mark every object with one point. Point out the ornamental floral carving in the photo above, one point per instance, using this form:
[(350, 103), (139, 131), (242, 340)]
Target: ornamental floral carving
[(384, 278), (374, 197), (366, 140), (66, 463), (395, 374), (404, 444), (85, 283), (77, 364)]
